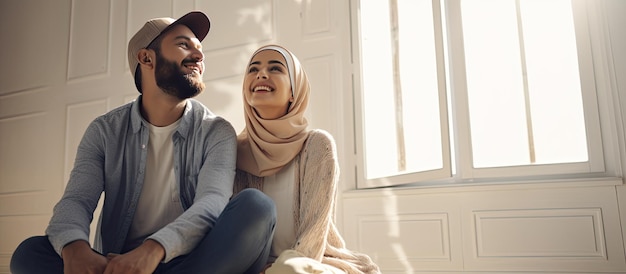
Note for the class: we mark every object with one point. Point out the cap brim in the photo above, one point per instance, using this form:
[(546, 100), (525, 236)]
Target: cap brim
[(196, 21)]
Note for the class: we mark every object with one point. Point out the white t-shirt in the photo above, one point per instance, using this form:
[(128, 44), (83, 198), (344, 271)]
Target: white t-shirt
[(280, 187), (159, 202)]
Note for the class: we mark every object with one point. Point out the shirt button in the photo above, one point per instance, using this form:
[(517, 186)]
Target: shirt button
[(143, 146)]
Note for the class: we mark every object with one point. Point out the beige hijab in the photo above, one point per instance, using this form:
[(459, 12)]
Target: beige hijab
[(266, 145)]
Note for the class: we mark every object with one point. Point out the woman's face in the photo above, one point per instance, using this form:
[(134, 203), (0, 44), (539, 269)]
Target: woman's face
[(266, 86)]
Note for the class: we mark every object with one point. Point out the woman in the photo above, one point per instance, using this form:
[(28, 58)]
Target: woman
[(295, 166)]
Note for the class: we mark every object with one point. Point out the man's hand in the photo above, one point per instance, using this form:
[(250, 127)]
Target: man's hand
[(143, 259), (78, 257)]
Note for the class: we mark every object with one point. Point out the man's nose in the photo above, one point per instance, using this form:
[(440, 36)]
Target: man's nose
[(198, 55)]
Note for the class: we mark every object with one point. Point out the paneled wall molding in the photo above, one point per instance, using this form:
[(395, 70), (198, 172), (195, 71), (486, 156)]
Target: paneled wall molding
[(536, 228), (4, 95), (90, 39)]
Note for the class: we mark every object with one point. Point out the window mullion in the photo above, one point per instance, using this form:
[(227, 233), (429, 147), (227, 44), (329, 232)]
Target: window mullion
[(458, 90)]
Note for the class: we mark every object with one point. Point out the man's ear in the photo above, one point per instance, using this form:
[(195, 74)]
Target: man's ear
[(145, 57)]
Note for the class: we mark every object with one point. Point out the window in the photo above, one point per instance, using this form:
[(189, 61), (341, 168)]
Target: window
[(475, 90)]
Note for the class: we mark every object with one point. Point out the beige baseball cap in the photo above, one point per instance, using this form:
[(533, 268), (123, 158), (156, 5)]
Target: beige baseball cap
[(197, 21)]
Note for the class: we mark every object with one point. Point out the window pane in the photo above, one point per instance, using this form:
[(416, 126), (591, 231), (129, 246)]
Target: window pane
[(405, 104), (418, 74), (553, 81), (516, 120), (379, 114)]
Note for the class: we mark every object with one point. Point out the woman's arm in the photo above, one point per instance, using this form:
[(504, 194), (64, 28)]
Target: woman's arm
[(319, 173)]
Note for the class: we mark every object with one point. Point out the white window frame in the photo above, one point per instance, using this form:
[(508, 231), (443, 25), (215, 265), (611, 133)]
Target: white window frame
[(595, 65)]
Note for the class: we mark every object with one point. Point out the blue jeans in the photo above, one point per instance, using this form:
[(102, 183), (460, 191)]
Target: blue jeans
[(239, 242)]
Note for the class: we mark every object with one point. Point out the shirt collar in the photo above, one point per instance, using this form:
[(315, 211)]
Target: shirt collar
[(137, 120)]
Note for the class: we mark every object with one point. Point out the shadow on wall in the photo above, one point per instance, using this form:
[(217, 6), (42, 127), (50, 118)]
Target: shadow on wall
[(227, 49)]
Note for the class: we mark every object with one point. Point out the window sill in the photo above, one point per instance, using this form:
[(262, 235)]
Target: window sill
[(450, 186)]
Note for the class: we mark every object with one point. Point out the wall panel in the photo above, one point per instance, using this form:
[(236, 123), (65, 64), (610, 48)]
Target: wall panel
[(406, 233), (35, 36), (78, 118), (89, 39), (429, 240), (560, 233), (317, 17), (321, 71)]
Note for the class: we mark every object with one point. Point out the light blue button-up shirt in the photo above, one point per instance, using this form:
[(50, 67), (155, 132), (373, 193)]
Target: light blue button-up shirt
[(111, 157)]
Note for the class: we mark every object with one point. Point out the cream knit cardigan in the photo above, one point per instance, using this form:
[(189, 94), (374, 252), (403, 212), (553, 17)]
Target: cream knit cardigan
[(316, 180)]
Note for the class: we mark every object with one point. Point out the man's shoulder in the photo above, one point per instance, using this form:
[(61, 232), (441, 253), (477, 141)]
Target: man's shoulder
[(202, 113), (120, 112), (203, 120), (198, 110)]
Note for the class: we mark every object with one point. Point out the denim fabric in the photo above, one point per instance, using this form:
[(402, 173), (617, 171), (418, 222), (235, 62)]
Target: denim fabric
[(238, 243)]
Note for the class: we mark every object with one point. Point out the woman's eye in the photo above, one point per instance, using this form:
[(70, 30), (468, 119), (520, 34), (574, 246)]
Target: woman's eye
[(252, 69), (276, 68), (183, 45)]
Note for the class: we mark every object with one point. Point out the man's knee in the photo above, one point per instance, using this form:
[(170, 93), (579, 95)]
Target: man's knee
[(256, 202), (29, 252), (31, 245)]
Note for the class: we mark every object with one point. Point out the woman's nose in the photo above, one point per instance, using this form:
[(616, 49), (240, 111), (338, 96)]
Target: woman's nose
[(261, 75)]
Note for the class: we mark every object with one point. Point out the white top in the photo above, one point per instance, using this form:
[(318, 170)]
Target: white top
[(280, 187), (159, 202)]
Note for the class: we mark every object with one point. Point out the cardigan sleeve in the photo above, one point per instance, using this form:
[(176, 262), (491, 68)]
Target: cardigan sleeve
[(319, 173)]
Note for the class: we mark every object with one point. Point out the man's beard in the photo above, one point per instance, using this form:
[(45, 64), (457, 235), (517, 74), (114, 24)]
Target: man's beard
[(173, 81)]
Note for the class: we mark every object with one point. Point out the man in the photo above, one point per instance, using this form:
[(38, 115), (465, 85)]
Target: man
[(166, 165)]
